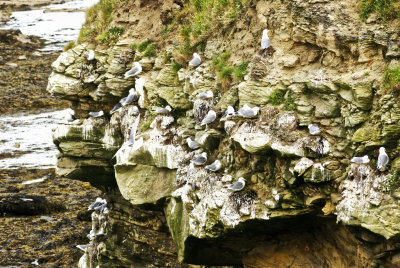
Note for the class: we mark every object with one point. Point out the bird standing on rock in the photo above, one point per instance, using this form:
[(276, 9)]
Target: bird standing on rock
[(383, 159), (137, 68), (195, 61), (237, 186), (209, 118), (314, 129), (192, 144), (165, 110), (96, 114), (205, 95), (200, 160), (214, 166), (265, 42), (90, 55)]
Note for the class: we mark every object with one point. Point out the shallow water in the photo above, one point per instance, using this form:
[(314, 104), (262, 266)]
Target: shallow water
[(57, 28), (25, 139)]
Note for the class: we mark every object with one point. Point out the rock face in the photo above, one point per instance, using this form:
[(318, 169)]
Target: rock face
[(326, 64)]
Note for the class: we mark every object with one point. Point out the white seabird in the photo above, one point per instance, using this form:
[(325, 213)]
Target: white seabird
[(276, 195), (206, 95), (314, 129), (97, 203), (192, 144), (200, 160), (195, 61), (237, 186), (134, 127), (71, 116), (135, 110), (265, 42), (360, 160), (247, 112), (89, 55), (96, 114), (165, 110), (383, 159), (214, 166), (116, 108), (230, 111), (209, 118), (133, 96), (137, 68)]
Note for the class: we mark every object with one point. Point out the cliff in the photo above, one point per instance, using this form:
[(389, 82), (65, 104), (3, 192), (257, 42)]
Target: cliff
[(304, 203)]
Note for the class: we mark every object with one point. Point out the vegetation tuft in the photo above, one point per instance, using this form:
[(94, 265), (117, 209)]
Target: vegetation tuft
[(391, 81), (385, 9), (111, 35), (71, 44), (98, 19), (176, 66), (277, 97), (289, 104), (391, 182)]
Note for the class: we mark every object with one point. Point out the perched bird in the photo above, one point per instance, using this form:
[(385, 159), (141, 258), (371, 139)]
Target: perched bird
[(165, 110), (247, 112), (133, 96), (135, 110), (237, 186), (89, 55), (214, 166), (192, 144), (134, 127), (82, 247), (276, 195), (360, 160), (206, 95), (383, 159), (230, 111), (96, 114), (97, 203), (116, 108), (200, 160), (139, 83), (314, 129), (195, 61), (137, 68), (265, 42), (209, 118)]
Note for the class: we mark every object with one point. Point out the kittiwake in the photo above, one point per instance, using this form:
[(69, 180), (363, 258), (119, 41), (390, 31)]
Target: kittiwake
[(265, 42), (200, 160), (247, 112), (360, 160), (82, 247), (206, 95), (116, 108), (209, 118), (165, 110), (137, 68), (383, 159), (215, 166), (133, 96), (89, 55), (237, 186), (195, 61), (135, 110), (230, 111), (192, 144), (96, 114)]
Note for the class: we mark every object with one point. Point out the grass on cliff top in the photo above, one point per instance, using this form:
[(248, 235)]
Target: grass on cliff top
[(98, 19), (385, 9), (200, 18)]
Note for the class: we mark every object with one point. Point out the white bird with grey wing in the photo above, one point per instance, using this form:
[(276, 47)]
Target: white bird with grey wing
[(196, 60), (237, 186), (200, 160), (247, 112), (360, 160), (96, 114), (133, 96), (192, 144), (116, 108), (383, 159), (97, 203), (209, 118), (90, 55), (135, 111), (214, 166), (136, 69), (265, 42), (165, 110), (230, 111), (206, 95), (314, 129), (132, 136), (82, 247)]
